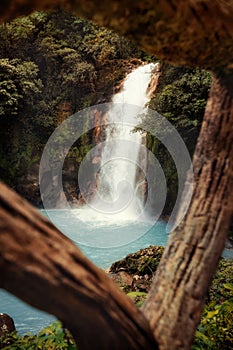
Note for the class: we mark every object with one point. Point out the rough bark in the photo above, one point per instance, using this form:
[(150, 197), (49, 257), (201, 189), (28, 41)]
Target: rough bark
[(192, 253), (192, 32), (44, 268)]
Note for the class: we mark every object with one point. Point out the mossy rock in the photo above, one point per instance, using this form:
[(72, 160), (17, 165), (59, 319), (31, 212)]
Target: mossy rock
[(137, 297), (143, 262), (142, 265)]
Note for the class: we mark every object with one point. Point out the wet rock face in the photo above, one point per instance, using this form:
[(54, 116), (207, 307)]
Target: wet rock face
[(6, 325)]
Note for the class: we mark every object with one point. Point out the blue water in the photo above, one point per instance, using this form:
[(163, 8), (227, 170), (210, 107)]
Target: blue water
[(119, 239), (113, 236)]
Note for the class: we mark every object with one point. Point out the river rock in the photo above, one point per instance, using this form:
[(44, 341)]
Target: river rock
[(6, 325), (124, 279), (135, 272), (144, 262)]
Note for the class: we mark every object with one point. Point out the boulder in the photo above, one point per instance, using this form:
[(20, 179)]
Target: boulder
[(124, 279), (6, 325), (135, 272)]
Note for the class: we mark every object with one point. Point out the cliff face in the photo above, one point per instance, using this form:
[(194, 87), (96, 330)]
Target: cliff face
[(180, 97), (51, 66), (55, 64)]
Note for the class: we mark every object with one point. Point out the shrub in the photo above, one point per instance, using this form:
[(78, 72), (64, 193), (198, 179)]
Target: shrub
[(53, 337)]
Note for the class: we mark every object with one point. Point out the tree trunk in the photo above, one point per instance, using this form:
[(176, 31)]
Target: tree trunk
[(190, 259), (41, 266), (44, 268)]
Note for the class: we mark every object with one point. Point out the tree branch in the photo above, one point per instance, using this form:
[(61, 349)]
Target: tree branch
[(44, 268), (196, 33)]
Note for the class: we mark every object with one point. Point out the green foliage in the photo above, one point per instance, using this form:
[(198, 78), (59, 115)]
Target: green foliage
[(48, 60), (22, 158), (143, 262), (18, 84), (135, 294), (215, 331), (223, 277), (53, 337), (181, 98), (72, 54), (137, 297)]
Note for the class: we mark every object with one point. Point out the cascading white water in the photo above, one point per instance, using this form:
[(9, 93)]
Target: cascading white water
[(116, 180), (115, 213)]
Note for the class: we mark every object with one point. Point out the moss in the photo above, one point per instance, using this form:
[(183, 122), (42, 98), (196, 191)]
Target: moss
[(143, 262), (137, 297)]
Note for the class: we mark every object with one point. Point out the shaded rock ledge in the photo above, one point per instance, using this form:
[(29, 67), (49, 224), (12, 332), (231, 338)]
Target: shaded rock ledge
[(135, 272)]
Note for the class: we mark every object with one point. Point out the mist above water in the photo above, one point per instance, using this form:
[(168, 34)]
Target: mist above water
[(117, 198)]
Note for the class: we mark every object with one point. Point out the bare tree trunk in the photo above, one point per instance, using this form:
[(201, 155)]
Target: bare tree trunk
[(44, 268), (192, 253)]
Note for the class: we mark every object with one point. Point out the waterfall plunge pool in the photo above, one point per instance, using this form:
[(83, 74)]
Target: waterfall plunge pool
[(102, 237), (28, 319)]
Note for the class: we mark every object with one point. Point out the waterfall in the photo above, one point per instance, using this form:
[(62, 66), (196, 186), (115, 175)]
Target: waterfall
[(116, 195), (122, 187), (112, 175)]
